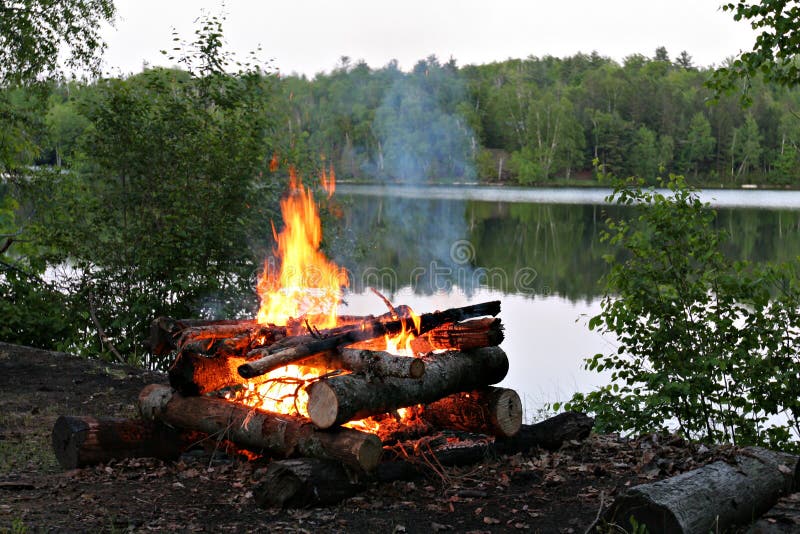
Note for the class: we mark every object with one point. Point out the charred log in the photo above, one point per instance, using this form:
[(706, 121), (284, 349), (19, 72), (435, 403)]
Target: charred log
[(304, 482), (166, 331), (490, 411), (277, 435), (336, 400), (713, 498), (549, 434), (84, 441), (300, 347)]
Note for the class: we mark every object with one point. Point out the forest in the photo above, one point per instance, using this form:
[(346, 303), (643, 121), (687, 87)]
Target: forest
[(533, 121)]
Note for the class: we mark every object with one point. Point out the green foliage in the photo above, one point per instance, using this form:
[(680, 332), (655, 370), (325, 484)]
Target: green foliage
[(705, 344), (160, 213), (775, 52), (34, 33)]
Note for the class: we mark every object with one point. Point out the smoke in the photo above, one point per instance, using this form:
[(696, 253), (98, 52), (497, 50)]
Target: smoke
[(421, 134)]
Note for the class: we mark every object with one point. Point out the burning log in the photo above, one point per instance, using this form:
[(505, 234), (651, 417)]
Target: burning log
[(281, 435), (84, 441), (712, 498), (299, 347), (164, 331), (474, 334), (491, 411), (194, 374), (336, 400), (303, 482)]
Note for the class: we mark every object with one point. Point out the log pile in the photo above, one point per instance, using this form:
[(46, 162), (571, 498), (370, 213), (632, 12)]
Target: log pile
[(446, 383)]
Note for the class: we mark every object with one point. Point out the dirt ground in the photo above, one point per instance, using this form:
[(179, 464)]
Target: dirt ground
[(541, 491)]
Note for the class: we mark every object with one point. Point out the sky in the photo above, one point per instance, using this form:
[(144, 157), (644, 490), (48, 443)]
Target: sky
[(310, 36)]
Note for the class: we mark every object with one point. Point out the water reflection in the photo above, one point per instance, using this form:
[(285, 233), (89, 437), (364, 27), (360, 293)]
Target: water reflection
[(543, 261), (514, 248)]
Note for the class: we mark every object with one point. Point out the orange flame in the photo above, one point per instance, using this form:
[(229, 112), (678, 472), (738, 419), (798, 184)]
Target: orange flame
[(282, 391), (308, 285)]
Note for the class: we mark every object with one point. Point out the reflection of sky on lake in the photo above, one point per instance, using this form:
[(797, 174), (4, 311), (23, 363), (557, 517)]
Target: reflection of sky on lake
[(411, 243), (546, 339), (720, 198)]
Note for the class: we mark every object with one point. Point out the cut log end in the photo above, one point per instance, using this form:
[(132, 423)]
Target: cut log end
[(323, 406), (152, 400), (506, 412), (248, 371)]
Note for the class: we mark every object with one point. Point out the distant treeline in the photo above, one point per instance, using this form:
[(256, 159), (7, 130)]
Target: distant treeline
[(535, 120)]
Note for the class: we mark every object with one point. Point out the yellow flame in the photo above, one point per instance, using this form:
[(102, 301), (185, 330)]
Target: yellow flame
[(308, 285)]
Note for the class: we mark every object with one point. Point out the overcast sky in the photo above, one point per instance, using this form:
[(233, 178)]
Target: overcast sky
[(309, 36)]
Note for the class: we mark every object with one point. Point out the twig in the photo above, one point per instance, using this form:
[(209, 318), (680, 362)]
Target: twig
[(101, 332), (387, 302), (594, 523)]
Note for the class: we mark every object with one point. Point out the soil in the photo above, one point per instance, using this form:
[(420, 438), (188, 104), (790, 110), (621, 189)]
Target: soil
[(540, 491)]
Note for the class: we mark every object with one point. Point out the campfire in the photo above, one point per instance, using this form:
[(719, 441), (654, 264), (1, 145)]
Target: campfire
[(301, 381)]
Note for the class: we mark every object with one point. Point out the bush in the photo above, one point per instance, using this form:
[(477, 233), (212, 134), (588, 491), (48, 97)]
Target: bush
[(705, 344)]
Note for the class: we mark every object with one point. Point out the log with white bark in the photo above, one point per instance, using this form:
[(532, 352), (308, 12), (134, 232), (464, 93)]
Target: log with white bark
[(85, 441), (490, 411), (196, 374), (336, 400), (713, 498), (257, 430)]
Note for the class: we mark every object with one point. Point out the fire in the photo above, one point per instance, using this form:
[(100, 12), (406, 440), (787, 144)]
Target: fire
[(280, 391), (400, 344), (308, 288), (308, 285)]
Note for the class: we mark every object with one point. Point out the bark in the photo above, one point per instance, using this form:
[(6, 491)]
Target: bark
[(304, 482), (165, 331), (195, 374), (301, 347), (713, 498), (490, 411), (782, 518), (549, 434), (336, 400), (277, 435), (84, 441), (477, 333)]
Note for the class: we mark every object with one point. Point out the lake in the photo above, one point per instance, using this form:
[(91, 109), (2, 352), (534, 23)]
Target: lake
[(536, 250)]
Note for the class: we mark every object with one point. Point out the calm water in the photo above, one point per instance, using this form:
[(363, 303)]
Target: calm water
[(535, 250)]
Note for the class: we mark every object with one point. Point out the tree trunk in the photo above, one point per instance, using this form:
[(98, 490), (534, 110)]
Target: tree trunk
[(712, 498), (549, 434), (336, 400), (490, 411), (84, 441), (304, 482), (280, 435)]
